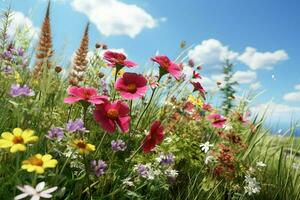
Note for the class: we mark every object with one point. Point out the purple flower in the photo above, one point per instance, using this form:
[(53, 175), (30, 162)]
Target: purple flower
[(7, 70), (16, 90), (98, 167), (144, 171), (118, 145), (55, 133), (20, 52), (166, 159), (77, 125), (7, 55)]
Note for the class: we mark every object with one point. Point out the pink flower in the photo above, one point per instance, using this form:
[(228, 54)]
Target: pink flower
[(217, 120), (131, 85), (168, 66), (109, 115), (117, 59), (155, 136), (87, 94)]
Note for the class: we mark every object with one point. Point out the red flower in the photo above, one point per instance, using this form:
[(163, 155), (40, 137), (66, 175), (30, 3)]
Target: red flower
[(117, 59), (87, 94), (168, 66), (109, 115), (155, 136), (198, 87), (207, 107), (132, 85), (217, 120), (189, 107), (196, 75)]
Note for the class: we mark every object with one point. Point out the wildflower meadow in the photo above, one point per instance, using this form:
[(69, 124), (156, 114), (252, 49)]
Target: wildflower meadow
[(105, 127)]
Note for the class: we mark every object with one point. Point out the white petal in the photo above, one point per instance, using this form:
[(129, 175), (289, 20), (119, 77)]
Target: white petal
[(21, 196), (50, 190), (35, 197), (29, 190), (39, 187), (45, 195), (21, 188)]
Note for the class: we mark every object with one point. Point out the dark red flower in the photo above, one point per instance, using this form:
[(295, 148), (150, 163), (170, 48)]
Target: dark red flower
[(198, 87), (191, 63), (196, 75), (155, 136), (207, 107), (117, 59)]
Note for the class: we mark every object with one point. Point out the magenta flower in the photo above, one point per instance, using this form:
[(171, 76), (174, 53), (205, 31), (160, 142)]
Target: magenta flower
[(132, 85), (109, 115), (167, 66), (117, 59), (86, 94), (217, 120)]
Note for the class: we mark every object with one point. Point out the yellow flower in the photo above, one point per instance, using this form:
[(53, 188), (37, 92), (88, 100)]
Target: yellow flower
[(195, 101), (17, 139), (83, 147), (120, 73), (18, 77), (39, 163)]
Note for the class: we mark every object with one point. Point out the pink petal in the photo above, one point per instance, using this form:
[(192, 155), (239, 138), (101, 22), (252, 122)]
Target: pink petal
[(75, 91), (175, 70), (129, 63), (124, 123), (120, 84), (98, 99), (129, 95), (72, 99)]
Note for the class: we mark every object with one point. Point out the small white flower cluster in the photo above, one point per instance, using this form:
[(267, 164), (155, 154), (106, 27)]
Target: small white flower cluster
[(252, 185), (296, 166), (205, 147), (261, 164)]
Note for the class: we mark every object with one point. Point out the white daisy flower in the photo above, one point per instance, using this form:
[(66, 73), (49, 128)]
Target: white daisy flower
[(36, 193), (205, 146)]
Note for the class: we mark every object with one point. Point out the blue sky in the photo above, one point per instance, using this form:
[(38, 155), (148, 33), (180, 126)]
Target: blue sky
[(261, 37)]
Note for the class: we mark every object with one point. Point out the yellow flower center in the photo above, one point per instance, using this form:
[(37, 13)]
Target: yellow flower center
[(35, 161), (81, 145), (112, 113), (18, 140), (131, 88)]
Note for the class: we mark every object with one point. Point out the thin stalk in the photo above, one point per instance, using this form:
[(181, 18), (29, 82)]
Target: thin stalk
[(146, 108)]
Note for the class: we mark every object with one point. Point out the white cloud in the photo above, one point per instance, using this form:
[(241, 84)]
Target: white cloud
[(244, 77), (211, 53), (208, 84), (218, 77), (255, 86), (293, 96), (277, 112), (297, 87), (113, 17), (21, 22), (262, 60)]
